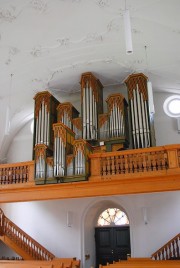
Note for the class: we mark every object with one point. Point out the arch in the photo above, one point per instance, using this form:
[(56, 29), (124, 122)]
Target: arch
[(89, 222)]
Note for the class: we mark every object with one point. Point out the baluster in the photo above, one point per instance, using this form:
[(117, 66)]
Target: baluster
[(24, 174), (108, 166), (130, 159), (125, 164), (134, 164), (173, 248), (0, 175), (103, 166), (20, 173), (139, 162), (117, 165), (121, 166), (177, 247), (112, 165)]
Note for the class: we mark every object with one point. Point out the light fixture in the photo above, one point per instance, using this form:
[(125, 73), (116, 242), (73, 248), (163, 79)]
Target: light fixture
[(127, 31), (149, 88)]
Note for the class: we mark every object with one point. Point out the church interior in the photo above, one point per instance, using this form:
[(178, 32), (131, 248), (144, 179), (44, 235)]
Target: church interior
[(90, 133)]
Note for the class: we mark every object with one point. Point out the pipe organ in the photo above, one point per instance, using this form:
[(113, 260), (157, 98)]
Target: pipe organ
[(65, 114), (141, 129), (103, 127), (44, 116), (92, 105), (63, 140), (117, 110), (41, 153), (81, 151), (77, 127)]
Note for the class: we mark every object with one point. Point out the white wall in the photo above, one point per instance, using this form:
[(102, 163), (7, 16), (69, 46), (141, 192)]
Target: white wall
[(21, 148)]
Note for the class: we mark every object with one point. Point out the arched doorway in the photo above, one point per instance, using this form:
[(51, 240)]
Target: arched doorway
[(112, 236), (89, 222)]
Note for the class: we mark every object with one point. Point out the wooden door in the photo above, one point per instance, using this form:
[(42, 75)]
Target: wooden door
[(112, 244)]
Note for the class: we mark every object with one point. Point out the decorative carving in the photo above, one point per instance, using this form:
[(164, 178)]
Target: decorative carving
[(103, 3), (39, 5), (8, 15)]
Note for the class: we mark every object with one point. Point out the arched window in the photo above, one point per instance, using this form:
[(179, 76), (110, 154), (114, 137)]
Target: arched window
[(112, 216)]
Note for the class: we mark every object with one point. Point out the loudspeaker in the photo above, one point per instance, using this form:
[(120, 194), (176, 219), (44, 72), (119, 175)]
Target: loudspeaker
[(69, 218)]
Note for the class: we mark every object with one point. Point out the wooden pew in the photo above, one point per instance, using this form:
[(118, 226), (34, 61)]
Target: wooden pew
[(18, 264), (144, 264), (55, 263)]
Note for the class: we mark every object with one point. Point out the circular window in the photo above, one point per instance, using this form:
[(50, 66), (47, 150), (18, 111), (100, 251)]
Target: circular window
[(172, 106)]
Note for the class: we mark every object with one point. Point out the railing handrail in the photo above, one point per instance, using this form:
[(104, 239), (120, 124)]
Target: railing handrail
[(168, 244), (5, 230), (136, 151), (17, 164)]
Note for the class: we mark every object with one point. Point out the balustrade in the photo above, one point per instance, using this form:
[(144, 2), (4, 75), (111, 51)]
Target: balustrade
[(23, 240), (133, 162), (17, 173), (171, 250)]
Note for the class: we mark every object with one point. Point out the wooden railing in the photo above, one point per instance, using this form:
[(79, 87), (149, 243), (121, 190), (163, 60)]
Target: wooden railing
[(147, 161), (23, 240), (17, 173), (171, 250)]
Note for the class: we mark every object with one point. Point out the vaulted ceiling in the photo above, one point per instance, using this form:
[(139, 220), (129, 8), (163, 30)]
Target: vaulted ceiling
[(48, 44)]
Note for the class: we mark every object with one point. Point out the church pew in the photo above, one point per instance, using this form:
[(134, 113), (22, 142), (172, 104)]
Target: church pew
[(55, 263), (143, 264)]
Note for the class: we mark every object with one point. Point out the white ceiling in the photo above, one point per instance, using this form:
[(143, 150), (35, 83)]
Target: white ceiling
[(48, 44)]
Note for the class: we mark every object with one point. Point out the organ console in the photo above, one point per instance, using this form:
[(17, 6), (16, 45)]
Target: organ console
[(63, 141)]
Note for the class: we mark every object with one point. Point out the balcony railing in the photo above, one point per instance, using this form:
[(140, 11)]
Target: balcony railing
[(152, 161), (117, 165), (17, 173)]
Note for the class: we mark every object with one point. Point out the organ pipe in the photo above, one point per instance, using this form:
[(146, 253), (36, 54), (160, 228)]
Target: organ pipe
[(91, 96)]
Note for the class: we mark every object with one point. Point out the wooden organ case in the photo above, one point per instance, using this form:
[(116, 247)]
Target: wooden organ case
[(63, 141)]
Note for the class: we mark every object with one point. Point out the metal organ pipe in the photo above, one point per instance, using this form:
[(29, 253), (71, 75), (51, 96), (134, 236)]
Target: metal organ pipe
[(91, 114), (133, 123), (140, 118), (84, 113), (45, 125), (42, 122), (136, 118), (144, 122), (42, 125)]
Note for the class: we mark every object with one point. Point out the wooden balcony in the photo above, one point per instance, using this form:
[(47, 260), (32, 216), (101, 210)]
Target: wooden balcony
[(154, 169)]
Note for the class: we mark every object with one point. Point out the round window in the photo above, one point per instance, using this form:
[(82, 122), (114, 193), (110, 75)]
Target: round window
[(172, 106)]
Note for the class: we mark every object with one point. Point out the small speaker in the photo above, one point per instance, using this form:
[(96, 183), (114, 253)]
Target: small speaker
[(69, 218), (145, 217)]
